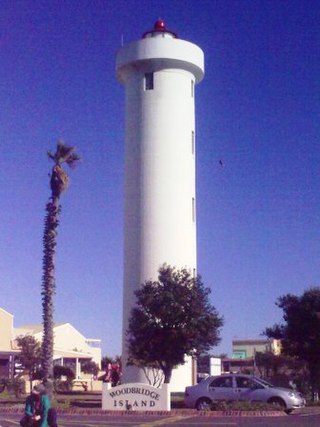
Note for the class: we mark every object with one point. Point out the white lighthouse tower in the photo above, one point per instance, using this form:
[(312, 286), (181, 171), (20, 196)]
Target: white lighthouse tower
[(159, 73)]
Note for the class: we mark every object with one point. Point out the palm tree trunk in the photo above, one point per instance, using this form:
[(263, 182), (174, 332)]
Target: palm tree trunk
[(48, 285)]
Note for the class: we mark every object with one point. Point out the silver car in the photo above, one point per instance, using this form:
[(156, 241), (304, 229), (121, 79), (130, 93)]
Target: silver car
[(235, 387)]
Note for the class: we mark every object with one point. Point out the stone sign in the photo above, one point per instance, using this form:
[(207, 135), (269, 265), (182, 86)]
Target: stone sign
[(135, 397)]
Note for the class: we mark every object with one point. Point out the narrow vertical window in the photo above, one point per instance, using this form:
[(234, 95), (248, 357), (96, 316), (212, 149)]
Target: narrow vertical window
[(148, 81), (193, 209), (192, 88), (192, 142), (194, 273)]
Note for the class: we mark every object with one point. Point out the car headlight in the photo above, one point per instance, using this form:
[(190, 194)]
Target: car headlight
[(293, 394)]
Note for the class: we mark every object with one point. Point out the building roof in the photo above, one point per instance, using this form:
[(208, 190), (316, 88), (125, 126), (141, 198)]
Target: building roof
[(59, 352), (32, 329), (6, 312), (250, 342)]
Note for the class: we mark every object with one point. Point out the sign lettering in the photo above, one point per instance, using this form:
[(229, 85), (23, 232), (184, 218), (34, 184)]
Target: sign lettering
[(135, 397)]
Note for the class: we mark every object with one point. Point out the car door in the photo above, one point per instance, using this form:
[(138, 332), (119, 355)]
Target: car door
[(248, 389), (221, 388)]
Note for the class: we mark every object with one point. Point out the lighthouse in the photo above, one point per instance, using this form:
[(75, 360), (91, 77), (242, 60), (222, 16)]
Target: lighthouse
[(159, 73)]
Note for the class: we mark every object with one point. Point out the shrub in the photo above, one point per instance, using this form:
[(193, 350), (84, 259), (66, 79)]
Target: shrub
[(16, 386), (90, 367), (59, 384), (3, 384), (63, 371), (244, 406)]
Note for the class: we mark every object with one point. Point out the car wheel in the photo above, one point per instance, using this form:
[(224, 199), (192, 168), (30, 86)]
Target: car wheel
[(277, 401), (203, 404)]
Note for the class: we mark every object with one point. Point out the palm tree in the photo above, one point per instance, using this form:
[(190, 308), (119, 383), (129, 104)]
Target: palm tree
[(58, 183)]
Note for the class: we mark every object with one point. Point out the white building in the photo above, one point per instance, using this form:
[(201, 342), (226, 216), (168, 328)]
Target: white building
[(8, 351), (159, 73), (71, 348)]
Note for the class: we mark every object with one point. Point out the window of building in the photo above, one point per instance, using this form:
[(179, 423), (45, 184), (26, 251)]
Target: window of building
[(192, 142), (239, 354), (148, 81), (193, 209)]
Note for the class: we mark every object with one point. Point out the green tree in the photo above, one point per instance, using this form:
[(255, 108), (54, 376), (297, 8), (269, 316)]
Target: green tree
[(63, 371), (65, 384), (269, 364), (300, 332), (30, 355), (58, 183), (172, 318), (106, 360), (90, 367)]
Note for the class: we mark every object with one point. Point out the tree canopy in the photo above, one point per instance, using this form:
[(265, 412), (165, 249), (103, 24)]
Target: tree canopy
[(173, 317), (300, 332), (30, 354), (90, 367)]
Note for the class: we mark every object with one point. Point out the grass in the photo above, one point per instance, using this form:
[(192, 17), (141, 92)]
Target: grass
[(10, 399), (78, 399)]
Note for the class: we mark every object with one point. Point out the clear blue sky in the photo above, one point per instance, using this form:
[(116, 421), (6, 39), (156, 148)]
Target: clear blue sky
[(257, 110)]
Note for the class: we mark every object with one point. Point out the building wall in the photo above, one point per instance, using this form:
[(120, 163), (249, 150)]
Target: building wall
[(68, 343), (6, 329), (182, 376), (67, 338), (276, 347), (244, 349)]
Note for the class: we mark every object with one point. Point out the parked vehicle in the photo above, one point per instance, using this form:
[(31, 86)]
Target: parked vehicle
[(237, 387)]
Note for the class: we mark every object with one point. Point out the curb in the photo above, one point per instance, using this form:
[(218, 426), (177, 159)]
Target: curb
[(172, 413)]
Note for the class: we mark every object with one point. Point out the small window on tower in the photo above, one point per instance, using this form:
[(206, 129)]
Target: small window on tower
[(193, 209), (148, 81), (192, 88), (192, 142)]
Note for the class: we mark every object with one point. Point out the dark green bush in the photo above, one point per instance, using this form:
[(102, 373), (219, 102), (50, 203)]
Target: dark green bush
[(16, 386), (59, 384), (63, 371), (244, 406), (3, 384)]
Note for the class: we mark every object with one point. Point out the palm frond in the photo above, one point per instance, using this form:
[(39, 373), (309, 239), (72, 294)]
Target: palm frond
[(64, 154), (73, 159)]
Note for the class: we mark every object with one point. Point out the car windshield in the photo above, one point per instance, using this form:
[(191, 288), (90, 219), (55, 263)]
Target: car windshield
[(264, 382)]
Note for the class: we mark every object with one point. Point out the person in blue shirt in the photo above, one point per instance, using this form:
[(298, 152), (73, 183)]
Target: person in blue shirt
[(37, 408)]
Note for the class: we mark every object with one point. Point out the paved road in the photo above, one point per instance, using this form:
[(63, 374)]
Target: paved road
[(299, 420)]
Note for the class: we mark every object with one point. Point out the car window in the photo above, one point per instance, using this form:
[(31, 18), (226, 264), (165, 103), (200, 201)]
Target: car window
[(264, 382), (221, 382), (243, 382), (256, 384)]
